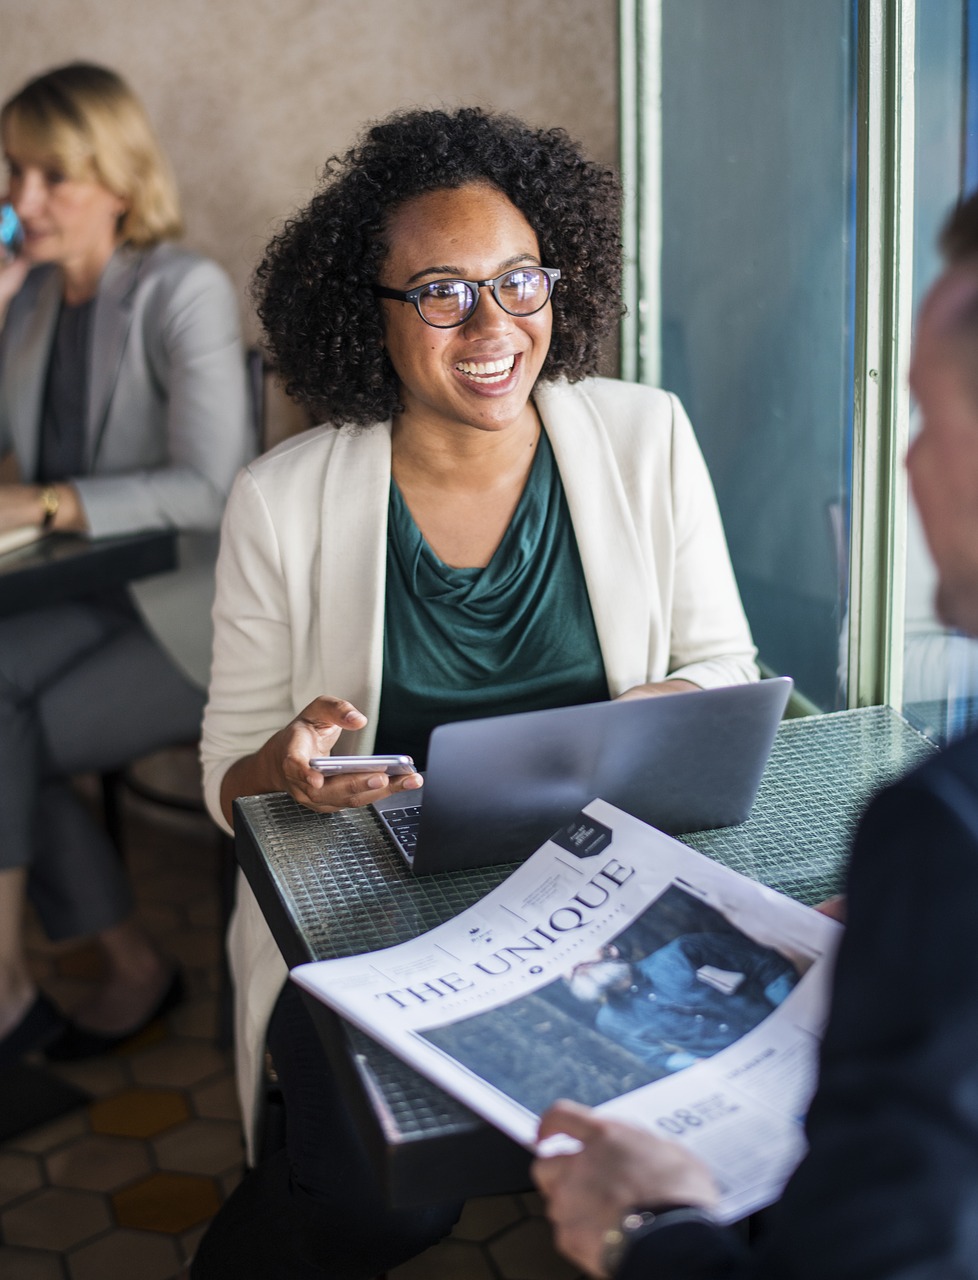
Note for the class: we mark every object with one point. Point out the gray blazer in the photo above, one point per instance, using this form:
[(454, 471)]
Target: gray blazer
[(167, 425)]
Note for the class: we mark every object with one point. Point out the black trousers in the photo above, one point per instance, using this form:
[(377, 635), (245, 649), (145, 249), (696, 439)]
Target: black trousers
[(312, 1209)]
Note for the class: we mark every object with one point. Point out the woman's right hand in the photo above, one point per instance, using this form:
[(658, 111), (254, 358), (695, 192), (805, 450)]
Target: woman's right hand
[(282, 764)]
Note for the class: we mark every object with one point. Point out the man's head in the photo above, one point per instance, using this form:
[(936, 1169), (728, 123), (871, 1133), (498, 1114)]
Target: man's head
[(943, 459), (596, 980)]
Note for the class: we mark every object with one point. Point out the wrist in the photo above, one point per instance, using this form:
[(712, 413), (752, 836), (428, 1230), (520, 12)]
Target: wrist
[(638, 1223), (50, 501)]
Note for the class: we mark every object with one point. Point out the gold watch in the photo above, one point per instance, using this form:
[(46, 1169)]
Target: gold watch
[(50, 502)]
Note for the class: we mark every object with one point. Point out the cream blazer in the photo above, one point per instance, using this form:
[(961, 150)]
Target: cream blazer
[(299, 610)]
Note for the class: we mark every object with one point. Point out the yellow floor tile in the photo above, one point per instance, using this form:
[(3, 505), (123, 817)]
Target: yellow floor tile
[(168, 1202), (139, 1113)]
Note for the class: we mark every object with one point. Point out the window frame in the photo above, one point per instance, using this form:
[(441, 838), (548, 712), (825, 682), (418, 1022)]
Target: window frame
[(884, 157)]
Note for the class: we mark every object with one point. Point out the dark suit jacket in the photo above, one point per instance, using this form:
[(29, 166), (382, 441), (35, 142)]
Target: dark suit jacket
[(889, 1188), (167, 425)]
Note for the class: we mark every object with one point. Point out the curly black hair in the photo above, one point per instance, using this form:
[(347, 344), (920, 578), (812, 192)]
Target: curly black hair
[(323, 326)]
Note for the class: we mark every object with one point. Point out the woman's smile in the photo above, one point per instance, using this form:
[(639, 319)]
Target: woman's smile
[(488, 371), (490, 377)]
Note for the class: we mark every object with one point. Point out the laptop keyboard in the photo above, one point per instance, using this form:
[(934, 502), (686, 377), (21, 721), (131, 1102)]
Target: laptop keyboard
[(403, 825)]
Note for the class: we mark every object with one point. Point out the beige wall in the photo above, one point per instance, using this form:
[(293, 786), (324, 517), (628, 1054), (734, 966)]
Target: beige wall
[(250, 96)]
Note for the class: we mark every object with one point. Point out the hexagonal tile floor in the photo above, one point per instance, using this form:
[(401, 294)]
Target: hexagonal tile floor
[(124, 1186)]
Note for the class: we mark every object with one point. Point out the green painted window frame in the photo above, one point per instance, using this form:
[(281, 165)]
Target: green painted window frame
[(883, 304)]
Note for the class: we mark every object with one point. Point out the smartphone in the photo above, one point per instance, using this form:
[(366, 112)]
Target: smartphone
[(11, 233), (363, 764)]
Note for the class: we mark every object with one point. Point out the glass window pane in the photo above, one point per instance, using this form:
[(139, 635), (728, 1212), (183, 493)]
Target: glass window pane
[(757, 299)]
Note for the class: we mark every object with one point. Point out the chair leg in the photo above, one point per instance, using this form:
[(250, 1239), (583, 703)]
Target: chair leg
[(227, 870), (112, 785)]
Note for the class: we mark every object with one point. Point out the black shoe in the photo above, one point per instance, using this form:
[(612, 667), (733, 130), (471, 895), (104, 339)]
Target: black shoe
[(39, 1025), (76, 1042)]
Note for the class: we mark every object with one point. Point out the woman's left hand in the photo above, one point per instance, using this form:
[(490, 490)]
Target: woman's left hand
[(656, 688)]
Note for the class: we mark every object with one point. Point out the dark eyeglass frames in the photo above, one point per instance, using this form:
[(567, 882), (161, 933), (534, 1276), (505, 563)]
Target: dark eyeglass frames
[(444, 304)]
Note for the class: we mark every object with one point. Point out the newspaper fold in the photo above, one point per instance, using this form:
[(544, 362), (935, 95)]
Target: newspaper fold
[(620, 968)]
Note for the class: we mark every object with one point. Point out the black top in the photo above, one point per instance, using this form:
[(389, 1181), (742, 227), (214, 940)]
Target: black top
[(61, 453)]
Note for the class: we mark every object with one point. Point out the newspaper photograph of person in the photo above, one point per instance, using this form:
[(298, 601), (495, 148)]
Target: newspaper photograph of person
[(678, 985)]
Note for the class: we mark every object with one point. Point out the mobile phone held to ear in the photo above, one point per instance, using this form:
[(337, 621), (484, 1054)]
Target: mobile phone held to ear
[(11, 233), (391, 765)]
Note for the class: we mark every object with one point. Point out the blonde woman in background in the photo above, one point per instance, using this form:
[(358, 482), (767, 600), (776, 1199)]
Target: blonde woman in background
[(123, 407)]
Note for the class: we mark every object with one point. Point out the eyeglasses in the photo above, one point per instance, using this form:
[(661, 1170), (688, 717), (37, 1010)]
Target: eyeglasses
[(444, 304)]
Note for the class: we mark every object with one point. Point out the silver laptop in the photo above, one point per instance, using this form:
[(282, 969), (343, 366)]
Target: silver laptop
[(496, 789)]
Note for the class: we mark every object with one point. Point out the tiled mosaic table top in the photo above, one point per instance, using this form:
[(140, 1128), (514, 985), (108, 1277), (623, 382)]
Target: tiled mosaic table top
[(346, 890)]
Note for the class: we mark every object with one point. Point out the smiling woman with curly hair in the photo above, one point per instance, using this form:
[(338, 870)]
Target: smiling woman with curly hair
[(479, 527), (313, 289)]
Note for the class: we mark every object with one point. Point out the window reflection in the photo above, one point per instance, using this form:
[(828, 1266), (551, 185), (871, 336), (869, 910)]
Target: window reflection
[(757, 299)]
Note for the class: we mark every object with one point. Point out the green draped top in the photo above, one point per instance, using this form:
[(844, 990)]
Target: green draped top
[(517, 635)]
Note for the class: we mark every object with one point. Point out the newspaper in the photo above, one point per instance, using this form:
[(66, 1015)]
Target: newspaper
[(620, 968)]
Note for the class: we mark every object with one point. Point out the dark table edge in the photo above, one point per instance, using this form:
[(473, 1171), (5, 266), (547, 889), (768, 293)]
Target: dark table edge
[(100, 563)]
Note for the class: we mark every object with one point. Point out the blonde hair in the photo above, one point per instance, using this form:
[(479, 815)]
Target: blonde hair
[(89, 121)]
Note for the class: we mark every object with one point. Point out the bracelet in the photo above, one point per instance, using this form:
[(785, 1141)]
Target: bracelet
[(50, 502), (639, 1223)]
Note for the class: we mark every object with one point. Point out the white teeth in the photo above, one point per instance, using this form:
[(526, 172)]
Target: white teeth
[(488, 370)]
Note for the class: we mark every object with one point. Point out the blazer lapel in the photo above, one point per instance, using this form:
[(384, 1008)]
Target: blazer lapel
[(354, 570), (113, 317), (611, 555), (28, 373)]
